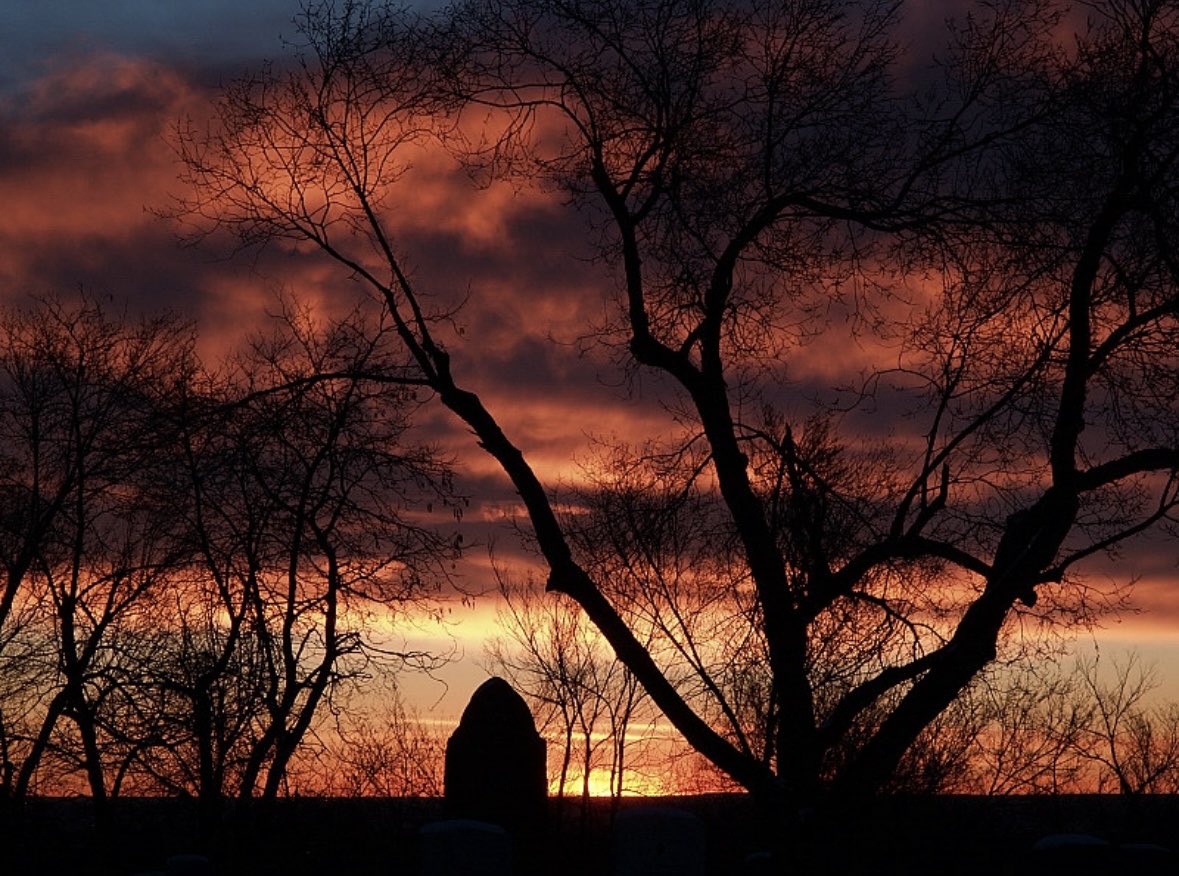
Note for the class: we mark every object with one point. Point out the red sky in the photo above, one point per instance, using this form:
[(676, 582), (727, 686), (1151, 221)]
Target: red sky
[(85, 113)]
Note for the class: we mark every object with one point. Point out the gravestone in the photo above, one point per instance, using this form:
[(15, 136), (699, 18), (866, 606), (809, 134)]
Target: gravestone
[(1147, 859), (759, 864), (495, 763), (188, 865), (461, 847), (1076, 854), (658, 841)]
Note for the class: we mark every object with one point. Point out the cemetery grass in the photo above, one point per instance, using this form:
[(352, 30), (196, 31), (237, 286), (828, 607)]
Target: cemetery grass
[(913, 835)]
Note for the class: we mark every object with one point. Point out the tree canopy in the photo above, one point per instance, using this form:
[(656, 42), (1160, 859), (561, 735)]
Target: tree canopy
[(800, 594)]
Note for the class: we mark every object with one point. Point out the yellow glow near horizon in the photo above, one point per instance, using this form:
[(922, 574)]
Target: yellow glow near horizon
[(634, 785)]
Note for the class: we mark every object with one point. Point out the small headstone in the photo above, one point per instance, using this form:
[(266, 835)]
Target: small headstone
[(1077, 854), (495, 763), (1146, 859), (188, 865), (658, 841), (461, 847), (1071, 841), (758, 864)]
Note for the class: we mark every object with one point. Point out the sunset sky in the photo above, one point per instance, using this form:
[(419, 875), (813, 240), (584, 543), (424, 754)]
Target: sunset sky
[(88, 95)]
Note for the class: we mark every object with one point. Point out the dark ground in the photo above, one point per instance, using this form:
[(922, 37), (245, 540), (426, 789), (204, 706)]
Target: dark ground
[(956, 836)]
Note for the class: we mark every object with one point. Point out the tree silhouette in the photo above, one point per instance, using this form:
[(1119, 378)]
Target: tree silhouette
[(999, 221), (1135, 744), (580, 696), (396, 753), (194, 561), (83, 400), (295, 500)]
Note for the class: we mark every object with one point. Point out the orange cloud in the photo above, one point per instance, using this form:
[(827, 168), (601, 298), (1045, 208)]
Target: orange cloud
[(84, 149)]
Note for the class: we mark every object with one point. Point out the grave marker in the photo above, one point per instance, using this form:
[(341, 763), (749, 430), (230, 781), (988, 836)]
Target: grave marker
[(463, 847), (659, 841), (495, 763)]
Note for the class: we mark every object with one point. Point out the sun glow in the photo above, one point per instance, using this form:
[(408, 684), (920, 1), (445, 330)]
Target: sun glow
[(602, 784)]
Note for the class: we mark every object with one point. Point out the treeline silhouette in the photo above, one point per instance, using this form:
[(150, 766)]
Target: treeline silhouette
[(1049, 724), (200, 564)]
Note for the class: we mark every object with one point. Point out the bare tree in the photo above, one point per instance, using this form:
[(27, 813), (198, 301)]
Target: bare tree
[(391, 751), (583, 697), (25, 676), (1031, 724), (195, 564), (299, 499), (333, 464), (1133, 742), (749, 168), (191, 713), (84, 398)]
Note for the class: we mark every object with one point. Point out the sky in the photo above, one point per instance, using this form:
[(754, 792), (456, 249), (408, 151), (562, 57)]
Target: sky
[(89, 93)]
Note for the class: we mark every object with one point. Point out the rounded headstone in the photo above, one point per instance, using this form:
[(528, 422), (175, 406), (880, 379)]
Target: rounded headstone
[(495, 762), (188, 865), (759, 864)]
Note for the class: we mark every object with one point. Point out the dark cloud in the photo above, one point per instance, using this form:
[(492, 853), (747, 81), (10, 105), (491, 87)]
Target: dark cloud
[(210, 35)]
